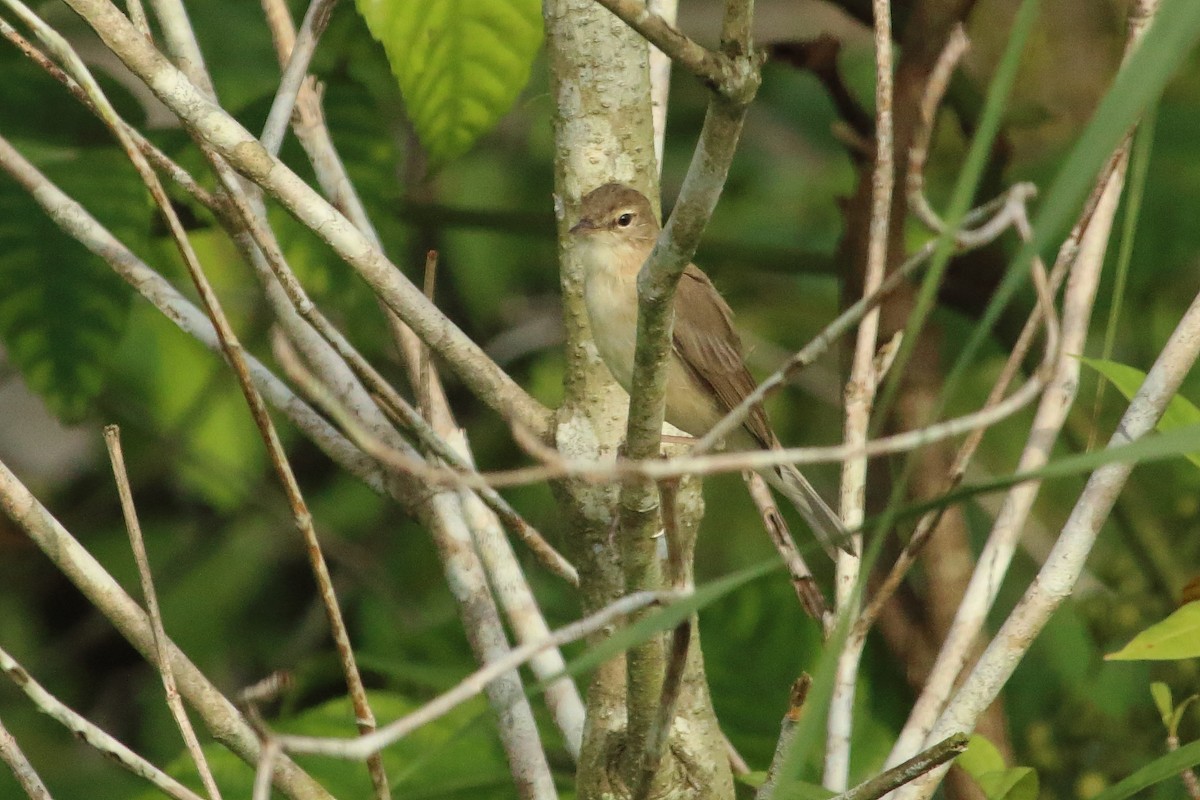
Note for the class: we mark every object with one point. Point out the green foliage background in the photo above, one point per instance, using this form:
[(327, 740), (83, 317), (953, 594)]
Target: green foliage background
[(236, 593)]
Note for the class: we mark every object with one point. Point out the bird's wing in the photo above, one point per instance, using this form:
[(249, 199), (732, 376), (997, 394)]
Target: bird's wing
[(709, 347)]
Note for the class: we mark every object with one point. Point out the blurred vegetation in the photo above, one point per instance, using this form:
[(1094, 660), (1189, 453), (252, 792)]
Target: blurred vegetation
[(236, 591)]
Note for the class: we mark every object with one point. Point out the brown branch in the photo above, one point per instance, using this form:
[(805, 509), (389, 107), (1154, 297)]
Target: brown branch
[(776, 526), (726, 76), (112, 440)]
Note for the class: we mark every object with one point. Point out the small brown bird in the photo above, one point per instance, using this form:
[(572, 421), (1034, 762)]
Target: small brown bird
[(706, 377)]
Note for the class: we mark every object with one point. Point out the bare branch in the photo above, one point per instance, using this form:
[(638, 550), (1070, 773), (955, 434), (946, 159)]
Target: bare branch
[(208, 121), (910, 770), (89, 733), (777, 529), (359, 748), (302, 49), (112, 440), (729, 77), (787, 733), (22, 770)]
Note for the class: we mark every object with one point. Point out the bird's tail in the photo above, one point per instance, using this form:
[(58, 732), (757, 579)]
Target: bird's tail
[(827, 526)]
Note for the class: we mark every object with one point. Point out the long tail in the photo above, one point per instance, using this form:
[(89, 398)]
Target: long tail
[(816, 512)]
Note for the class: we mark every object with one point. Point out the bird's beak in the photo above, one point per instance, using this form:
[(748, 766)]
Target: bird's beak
[(583, 225)]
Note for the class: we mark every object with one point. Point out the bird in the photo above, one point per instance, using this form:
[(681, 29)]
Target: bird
[(706, 375)]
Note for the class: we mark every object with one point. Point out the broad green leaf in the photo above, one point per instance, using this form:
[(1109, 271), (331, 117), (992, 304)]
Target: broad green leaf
[(983, 762), (62, 310), (980, 757), (1176, 637), (1018, 783), (1160, 769), (1180, 412), (1162, 701), (460, 63)]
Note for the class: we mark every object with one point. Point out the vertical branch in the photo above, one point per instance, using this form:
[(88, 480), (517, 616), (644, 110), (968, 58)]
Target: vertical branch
[(1066, 561), (660, 78), (112, 440), (639, 513), (1091, 236), (860, 395)]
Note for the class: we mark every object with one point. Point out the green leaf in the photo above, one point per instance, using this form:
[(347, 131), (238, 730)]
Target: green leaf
[(1162, 701), (980, 757), (460, 63), (62, 310), (983, 762), (1160, 769), (753, 779), (1018, 783), (1180, 412), (1176, 637)]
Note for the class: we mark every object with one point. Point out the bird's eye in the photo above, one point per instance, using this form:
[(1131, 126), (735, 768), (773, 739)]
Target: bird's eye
[(625, 220)]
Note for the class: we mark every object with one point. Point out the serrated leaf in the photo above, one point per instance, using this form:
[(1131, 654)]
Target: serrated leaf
[(1176, 637), (1180, 412), (62, 310), (460, 63), (1162, 701)]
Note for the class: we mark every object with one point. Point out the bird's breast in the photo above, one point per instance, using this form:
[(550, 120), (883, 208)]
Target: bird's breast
[(611, 302)]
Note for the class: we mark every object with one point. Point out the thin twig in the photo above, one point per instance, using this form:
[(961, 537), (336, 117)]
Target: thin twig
[(719, 72), (112, 440), (935, 89), (660, 732), (910, 770), (360, 748), (89, 733), (205, 119), (234, 354), (787, 732), (425, 386), (1191, 783), (660, 78), (263, 770), (776, 526), (156, 156), (1042, 315), (137, 15), (860, 398), (22, 770), (602, 472), (302, 49)]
